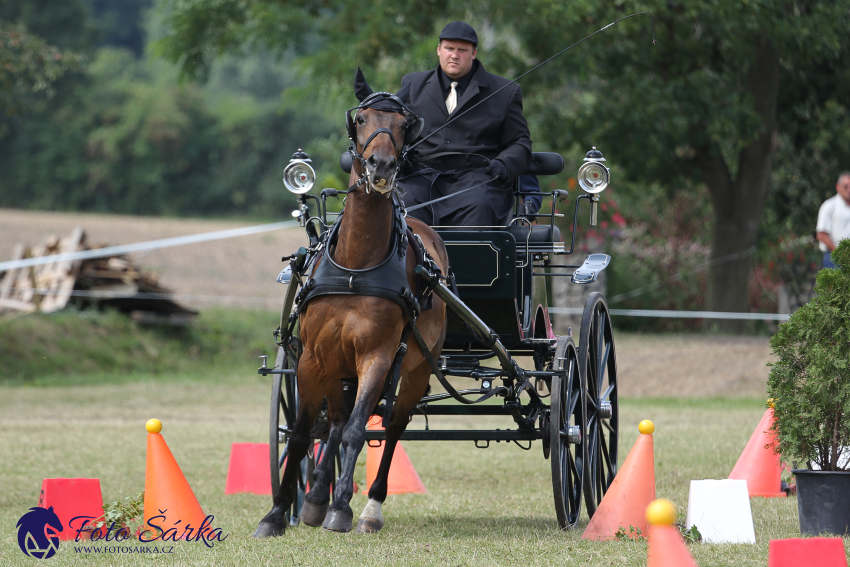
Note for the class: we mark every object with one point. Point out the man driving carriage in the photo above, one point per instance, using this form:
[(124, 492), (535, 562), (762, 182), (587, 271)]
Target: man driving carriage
[(486, 147)]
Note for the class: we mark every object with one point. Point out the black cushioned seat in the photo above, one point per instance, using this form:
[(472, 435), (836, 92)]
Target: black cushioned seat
[(545, 163), (345, 161), (540, 234)]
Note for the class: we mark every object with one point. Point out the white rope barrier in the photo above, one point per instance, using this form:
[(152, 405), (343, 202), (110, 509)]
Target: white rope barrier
[(678, 314), (149, 245), (258, 229)]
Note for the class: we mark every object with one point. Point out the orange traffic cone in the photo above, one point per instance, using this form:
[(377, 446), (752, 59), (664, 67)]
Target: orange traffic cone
[(758, 465), (624, 505), (169, 500), (403, 477), (666, 548)]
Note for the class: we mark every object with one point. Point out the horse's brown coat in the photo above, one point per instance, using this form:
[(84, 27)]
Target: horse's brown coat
[(348, 337)]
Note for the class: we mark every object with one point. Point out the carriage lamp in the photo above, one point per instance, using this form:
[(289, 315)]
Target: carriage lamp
[(593, 177), (298, 176)]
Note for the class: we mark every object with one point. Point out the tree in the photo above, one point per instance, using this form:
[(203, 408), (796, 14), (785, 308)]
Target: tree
[(703, 106), (28, 65)]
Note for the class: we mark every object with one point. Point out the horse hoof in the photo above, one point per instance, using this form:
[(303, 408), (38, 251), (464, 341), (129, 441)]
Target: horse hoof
[(313, 514), (266, 529), (338, 521), (368, 526)]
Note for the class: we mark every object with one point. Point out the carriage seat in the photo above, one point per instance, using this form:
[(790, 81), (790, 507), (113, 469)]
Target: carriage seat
[(545, 163), (540, 234), (542, 163)]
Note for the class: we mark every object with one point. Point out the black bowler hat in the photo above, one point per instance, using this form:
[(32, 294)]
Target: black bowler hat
[(460, 31)]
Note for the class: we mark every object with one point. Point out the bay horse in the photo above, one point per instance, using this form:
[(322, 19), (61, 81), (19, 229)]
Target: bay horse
[(355, 337)]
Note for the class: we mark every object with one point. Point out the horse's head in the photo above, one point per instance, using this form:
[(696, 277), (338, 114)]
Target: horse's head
[(380, 128)]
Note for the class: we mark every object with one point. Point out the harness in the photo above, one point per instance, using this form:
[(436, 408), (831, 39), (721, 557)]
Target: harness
[(388, 279), (385, 102)]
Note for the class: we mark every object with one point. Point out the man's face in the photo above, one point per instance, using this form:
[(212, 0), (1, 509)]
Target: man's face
[(456, 57), (843, 188)]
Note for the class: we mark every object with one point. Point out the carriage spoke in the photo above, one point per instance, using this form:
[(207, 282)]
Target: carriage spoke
[(603, 365), (607, 461), (600, 340)]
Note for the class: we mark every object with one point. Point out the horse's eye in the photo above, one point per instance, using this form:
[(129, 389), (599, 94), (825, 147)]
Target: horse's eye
[(361, 120)]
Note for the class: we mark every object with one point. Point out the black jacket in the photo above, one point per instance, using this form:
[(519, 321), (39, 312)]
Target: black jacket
[(496, 130)]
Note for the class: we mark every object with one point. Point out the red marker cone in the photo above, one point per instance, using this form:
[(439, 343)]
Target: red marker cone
[(666, 548), (758, 465), (167, 493), (72, 497), (624, 505), (248, 469), (820, 551), (403, 478)]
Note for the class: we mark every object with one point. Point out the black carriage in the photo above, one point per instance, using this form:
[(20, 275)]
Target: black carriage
[(497, 312)]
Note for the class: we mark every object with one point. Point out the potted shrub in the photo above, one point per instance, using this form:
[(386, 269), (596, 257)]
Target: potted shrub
[(810, 387)]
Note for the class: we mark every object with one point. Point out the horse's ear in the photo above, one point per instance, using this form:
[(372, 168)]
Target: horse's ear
[(404, 93), (361, 88)]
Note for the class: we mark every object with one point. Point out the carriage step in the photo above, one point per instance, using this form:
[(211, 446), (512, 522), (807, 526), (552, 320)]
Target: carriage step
[(461, 435)]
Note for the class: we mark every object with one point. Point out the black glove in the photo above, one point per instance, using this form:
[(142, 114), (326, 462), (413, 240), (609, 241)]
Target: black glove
[(497, 169), (528, 209)]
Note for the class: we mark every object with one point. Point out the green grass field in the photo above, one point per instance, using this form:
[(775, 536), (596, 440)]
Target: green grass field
[(483, 507)]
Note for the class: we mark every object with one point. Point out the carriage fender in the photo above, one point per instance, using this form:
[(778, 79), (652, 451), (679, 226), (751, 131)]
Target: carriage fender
[(589, 271)]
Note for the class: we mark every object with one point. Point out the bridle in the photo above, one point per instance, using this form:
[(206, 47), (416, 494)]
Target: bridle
[(383, 102)]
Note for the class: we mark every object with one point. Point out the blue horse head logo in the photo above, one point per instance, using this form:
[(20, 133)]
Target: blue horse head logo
[(38, 532)]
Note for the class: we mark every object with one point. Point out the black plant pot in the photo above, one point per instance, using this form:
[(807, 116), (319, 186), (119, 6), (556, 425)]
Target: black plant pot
[(823, 500)]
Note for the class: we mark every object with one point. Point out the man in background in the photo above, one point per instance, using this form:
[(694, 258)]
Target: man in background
[(834, 219)]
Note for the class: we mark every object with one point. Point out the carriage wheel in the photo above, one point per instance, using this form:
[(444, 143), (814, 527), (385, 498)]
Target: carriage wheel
[(566, 424), (284, 406), (598, 361)]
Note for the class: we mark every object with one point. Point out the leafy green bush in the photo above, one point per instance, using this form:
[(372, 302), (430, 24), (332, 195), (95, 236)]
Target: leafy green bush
[(810, 381)]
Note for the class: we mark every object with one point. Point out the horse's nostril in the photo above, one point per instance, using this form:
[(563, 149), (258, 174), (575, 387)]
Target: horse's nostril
[(371, 160), (391, 163)]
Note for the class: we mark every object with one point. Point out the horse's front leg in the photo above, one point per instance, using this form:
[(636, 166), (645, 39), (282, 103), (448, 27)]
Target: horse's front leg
[(274, 523), (316, 502), (372, 375), (412, 389)]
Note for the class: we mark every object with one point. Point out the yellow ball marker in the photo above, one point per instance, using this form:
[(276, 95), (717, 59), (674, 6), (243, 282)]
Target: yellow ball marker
[(646, 427), (153, 426), (661, 512)]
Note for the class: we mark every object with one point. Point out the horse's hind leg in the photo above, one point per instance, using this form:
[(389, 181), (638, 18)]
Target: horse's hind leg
[(316, 502), (411, 392), (274, 523)]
